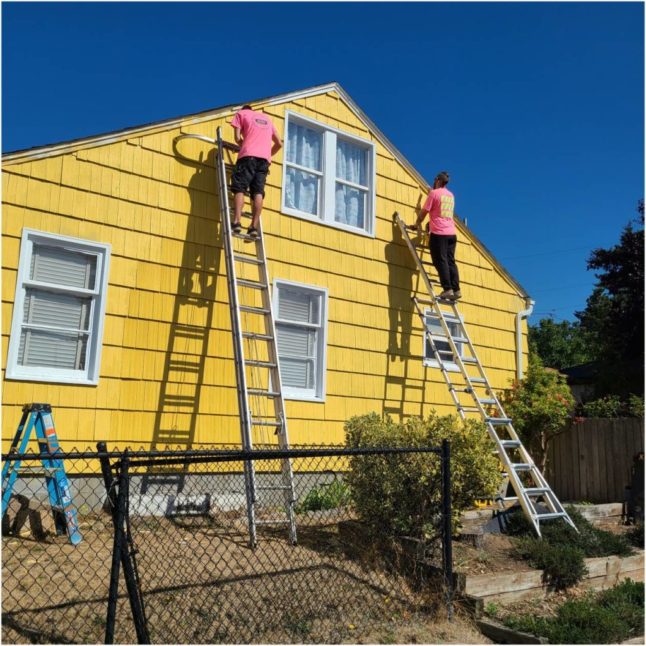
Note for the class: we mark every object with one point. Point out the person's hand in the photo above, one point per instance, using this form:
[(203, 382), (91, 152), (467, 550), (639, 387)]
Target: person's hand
[(412, 227)]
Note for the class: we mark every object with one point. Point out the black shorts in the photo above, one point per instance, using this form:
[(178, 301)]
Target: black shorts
[(250, 174)]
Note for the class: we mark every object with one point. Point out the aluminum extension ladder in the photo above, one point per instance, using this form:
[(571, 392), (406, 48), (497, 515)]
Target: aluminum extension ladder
[(527, 481), (38, 417)]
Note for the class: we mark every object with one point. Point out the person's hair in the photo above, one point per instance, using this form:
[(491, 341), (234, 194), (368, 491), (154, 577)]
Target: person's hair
[(246, 106), (443, 178)]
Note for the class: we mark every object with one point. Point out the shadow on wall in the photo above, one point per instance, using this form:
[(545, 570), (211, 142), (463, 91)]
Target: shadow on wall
[(399, 388), (188, 340)]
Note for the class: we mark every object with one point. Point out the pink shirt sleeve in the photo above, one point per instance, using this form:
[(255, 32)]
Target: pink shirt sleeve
[(429, 201), (236, 122)]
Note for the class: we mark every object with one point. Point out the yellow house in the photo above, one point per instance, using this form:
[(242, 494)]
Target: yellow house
[(114, 295)]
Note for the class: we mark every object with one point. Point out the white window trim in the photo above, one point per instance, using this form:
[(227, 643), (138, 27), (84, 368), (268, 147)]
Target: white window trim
[(302, 394), (327, 195), (431, 362), (89, 376)]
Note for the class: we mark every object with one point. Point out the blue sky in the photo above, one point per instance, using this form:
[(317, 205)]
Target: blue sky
[(536, 109)]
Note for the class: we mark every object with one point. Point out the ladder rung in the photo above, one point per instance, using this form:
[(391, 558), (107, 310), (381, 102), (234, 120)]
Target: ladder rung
[(477, 380), (469, 360), (253, 310), (250, 259), (262, 422), (260, 337), (550, 515), (488, 401), (245, 236), (251, 283), (469, 409), (424, 301), (522, 466), (245, 214), (510, 444), (537, 491), (498, 421), (261, 364), (266, 393), (460, 339), (274, 488), (272, 522)]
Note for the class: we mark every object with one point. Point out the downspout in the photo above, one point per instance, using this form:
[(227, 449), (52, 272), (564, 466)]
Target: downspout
[(523, 314)]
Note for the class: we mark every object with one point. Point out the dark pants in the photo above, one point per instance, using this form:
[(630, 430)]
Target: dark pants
[(443, 256)]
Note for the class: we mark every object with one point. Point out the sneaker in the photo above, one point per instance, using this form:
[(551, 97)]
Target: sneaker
[(236, 227), (252, 232), (447, 295), (457, 294)]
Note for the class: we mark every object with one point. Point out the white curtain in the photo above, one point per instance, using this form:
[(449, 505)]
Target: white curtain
[(304, 147), (351, 166)]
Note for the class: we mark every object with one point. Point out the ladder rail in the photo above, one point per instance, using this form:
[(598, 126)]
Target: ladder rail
[(238, 347), (513, 467)]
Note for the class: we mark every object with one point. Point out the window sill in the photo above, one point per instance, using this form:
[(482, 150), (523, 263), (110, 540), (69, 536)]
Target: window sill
[(333, 225), (303, 398), (449, 367), (52, 379)]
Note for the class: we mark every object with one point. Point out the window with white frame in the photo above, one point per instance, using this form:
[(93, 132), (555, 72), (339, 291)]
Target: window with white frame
[(328, 175), (301, 320), (59, 307), (440, 341)]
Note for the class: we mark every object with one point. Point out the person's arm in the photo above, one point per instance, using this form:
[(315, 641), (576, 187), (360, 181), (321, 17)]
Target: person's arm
[(278, 144), (424, 211), (237, 133)]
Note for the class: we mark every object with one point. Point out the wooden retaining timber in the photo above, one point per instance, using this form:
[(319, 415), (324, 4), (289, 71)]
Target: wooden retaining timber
[(603, 572)]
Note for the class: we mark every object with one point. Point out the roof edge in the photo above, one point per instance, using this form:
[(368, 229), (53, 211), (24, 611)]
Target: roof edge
[(114, 136)]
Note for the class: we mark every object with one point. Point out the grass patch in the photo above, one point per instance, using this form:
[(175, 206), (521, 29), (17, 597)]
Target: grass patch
[(608, 617), (326, 496)]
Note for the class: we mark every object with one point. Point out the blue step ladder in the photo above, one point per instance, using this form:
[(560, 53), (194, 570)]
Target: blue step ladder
[(39, 417)]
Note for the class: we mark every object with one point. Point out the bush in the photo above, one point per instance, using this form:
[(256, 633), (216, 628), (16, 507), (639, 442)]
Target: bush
[(562, 565), (326, 496), (561, 550), (614, 406), (401, 494), (612, 616), (636, 536)]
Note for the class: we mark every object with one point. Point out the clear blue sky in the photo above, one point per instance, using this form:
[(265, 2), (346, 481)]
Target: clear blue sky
[(536, 109)]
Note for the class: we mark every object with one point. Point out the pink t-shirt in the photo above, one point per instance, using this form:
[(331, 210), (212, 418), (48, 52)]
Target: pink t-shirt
[(440, 204), (257, 130)]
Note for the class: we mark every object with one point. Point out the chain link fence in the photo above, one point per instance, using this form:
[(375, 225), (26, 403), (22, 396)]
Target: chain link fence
[(166, 554)]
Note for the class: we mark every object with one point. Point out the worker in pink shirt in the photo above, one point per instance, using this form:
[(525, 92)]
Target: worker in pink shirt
[(258, 140), (439, 206)]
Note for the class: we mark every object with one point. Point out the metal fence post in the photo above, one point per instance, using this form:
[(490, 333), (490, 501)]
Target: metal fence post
[(447, 546)]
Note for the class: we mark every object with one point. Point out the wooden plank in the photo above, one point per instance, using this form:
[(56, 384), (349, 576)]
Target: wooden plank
[(601, 511), (486, 584), (502, 635)]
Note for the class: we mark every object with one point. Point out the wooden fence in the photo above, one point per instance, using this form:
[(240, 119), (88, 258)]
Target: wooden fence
[(592, 461)]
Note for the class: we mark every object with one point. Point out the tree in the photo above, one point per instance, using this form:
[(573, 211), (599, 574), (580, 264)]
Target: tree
[(614, 314), (560, 345), (540, 405)]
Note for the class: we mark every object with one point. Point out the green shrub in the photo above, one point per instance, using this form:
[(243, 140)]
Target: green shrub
[(635, 536), (608, 406), (400, 494), (635, 406), (561, 550), (612, 616), (562, 565), (326, 496)]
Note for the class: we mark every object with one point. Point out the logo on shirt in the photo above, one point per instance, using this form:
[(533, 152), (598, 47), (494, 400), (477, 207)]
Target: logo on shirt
[(447, 202), (262, 122)]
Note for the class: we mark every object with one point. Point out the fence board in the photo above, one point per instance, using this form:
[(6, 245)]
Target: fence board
[(592, 461)]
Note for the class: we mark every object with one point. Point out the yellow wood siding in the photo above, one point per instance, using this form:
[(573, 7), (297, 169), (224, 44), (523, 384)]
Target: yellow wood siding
[(160, 214)]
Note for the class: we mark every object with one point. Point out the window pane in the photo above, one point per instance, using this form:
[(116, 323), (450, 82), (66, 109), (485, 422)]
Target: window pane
[(351, 163), (304, 146), (51, 349), (302, 191), (295, 341), (56, 310), (298, 306), (62, 267), (350, 206), (297, 373), (443, 347)]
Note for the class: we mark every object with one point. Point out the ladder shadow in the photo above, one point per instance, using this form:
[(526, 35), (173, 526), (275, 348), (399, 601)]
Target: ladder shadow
[(402, 274), (184, 362)]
